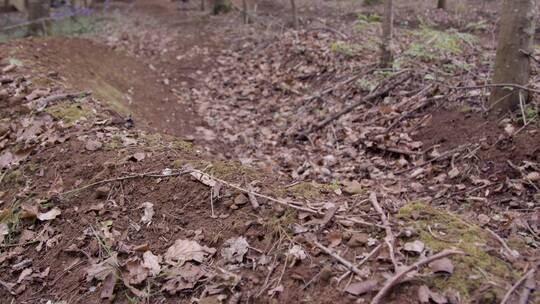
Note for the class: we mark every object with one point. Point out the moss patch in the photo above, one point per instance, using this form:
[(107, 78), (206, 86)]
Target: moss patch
[(69, 112), (158, 141), (472, 269), (305, 190)]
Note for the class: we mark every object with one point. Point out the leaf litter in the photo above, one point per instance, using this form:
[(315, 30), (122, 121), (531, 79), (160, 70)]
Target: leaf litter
[(362, 151)]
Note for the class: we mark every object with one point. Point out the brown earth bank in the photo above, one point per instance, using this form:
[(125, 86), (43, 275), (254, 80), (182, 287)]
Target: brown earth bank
[(99, 207)]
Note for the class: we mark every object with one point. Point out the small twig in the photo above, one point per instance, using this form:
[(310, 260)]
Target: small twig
[(440, 157), (343, 261), (528, 54), (531, 272), (391, 282), (283, 203), (252, 199), (156, 174), (510, 251), (528, 287), (389, 239), (19, 244), (393, 84)]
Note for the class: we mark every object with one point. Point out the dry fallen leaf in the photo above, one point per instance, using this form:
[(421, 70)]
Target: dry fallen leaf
[(442, 266), (297, 253), (49, 215), (234, 249), (352, 187), (425, 295), (4, 230), (135, 273), (186, 250), (93, 145), (415, 247), (334, 238), (101, 270), (183, 278), (151, 262), (107, 288), (148, 212), (360, 288)]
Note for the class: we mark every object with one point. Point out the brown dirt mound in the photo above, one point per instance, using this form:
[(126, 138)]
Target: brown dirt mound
[(129, 85)]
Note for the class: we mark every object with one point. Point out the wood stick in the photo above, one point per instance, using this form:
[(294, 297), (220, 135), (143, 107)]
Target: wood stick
[(497, 85), (531, 271), (389, 238), (343, 261), (368, 98), (399, 275), (283, 203), (510, 251)]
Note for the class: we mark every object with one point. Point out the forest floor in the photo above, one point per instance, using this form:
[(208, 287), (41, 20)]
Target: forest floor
[(165, 155)]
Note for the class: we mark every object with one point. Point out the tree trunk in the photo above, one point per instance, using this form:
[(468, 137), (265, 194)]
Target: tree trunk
[(38, 14), (221, 6), (442, 4), (294, 14), (516, 34), (387, 57), (245, 12)]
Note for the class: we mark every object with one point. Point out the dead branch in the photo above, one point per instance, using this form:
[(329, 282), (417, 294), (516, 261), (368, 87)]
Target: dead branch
[(156, 174), (510, 251), (399, 275), (377, 94), (528, 274), (440, 157), (283, 203), (497, 85), (43, 102), (343, 261), (389, 239)]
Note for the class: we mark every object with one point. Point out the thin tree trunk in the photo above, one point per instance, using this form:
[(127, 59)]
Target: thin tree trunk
[(294, 14), (442, 4), (245, 13), (387, 57), (517, 28), (38, 10)]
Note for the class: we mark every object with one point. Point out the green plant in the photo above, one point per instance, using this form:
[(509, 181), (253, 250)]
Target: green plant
[(431, 44), (364, 20)]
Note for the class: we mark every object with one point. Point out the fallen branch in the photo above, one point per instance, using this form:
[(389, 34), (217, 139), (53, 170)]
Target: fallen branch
[(343, 261), (283, 203), (529, 273), (156, 174), (389, 238), (43, 102), (377, 94), (510, 251), (496, 85), (440, 157), (391, 282)]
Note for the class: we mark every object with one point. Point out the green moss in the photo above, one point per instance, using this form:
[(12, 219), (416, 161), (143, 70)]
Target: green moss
[(458, 234), (158, 141), (114, 143), (15, 176), (111, 95), (69, 112), (278, 225), (306, 190)]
